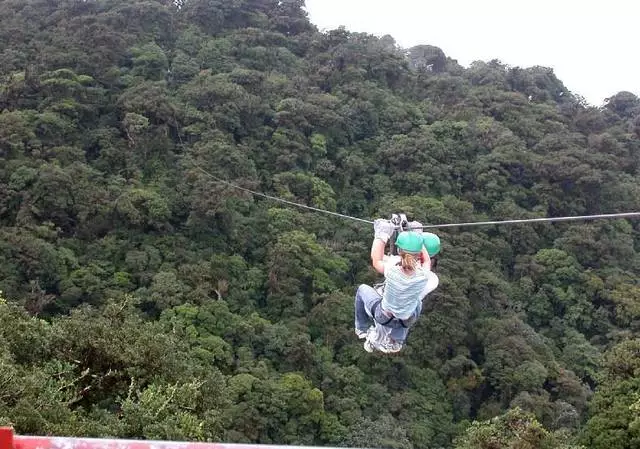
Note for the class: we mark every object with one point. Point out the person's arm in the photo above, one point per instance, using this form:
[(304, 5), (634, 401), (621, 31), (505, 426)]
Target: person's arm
[(383, 230), (416, 226), (432, 283), (427, 260), (377, 254)]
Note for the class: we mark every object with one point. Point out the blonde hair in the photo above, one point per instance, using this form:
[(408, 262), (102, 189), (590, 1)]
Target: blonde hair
[(409, 261)]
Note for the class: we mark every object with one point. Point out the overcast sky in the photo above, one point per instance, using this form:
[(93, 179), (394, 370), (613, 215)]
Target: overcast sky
[(591, 45)]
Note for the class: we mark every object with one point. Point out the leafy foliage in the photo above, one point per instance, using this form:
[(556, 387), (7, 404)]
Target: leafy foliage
[(147, 298)]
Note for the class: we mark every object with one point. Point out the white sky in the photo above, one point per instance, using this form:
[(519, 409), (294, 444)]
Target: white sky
[(592, 45)]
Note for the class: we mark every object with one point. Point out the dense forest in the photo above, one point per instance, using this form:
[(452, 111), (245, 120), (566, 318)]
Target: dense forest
[(143, 298)]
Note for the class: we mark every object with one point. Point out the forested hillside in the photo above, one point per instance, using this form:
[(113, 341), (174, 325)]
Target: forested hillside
[(141, 298)]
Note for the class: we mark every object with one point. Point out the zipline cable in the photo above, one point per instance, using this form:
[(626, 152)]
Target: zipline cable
[(444, 225), (264, 195), (533, 220)]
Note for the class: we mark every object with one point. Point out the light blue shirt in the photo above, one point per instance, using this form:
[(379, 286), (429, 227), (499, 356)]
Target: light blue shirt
[(403, 292)]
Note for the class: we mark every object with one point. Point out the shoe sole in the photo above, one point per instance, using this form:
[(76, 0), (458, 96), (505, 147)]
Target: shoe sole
[(369, 347)]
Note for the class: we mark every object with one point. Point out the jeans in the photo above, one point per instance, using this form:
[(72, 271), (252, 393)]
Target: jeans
[(366, 299)]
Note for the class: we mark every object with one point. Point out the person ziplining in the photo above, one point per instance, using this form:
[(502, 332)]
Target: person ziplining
[(396, 304)]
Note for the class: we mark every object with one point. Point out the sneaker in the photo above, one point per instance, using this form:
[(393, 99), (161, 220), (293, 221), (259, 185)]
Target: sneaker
[(361, 334), (390, 347), (367, 346)]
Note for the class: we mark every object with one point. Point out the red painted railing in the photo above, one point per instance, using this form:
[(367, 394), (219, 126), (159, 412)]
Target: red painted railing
[(8, 440)]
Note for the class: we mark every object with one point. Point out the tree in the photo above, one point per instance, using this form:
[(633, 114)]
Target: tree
[(514, 429), (614, 413)]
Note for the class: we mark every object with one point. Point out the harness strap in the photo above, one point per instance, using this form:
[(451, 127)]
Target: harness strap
[(373, 313)]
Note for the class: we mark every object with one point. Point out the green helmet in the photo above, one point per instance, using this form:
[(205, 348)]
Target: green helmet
[(431, 242), (409, 241)]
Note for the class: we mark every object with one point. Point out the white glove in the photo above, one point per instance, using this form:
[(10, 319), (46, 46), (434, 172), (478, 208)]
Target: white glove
[(383, 229)]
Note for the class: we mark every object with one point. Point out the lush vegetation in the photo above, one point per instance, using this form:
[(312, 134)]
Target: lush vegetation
[(144, 299)]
